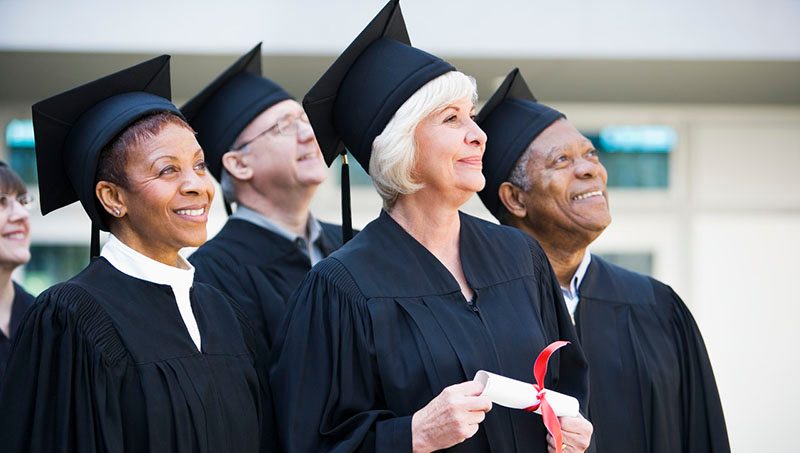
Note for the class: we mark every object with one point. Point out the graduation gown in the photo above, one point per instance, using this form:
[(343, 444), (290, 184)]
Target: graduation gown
[(380, 328), (258, 268), (22, 301), (652, 387), (104, 363)]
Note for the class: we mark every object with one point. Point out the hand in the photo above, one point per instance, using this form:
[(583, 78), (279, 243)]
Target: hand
[(450, 418), (576, 433)]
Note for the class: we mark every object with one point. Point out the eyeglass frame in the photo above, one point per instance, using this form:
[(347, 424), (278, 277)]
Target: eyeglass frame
[(26, 200), (292, 125)]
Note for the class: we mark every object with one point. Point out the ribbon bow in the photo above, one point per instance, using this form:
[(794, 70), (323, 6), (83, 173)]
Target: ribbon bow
[(548, 415)]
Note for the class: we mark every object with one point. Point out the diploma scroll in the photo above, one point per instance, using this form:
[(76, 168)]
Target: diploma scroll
[(521, 395)]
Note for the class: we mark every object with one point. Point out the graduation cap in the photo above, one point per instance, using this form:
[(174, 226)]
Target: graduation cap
[(511, 118), (224, 108), (72, 128), (360, 93)]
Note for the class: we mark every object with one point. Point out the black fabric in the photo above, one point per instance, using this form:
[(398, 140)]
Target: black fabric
[(258, 268), (22, 301), (652, 386), (227, 105), (72, 128), (104, 363), (353, 101), (511, 118), (380, 328)]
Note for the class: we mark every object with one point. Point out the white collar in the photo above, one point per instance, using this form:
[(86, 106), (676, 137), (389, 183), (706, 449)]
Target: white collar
[(135, 264), (580, 272)]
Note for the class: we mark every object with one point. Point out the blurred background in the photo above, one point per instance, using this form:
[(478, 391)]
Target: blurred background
[(694, 105)]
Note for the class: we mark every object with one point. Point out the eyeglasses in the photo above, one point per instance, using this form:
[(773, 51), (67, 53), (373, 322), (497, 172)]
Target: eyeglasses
[(25, 200), (287, 126)]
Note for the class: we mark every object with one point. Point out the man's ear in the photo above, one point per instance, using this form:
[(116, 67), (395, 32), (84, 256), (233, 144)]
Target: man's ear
[(513, 198), (234, 163), (112, 198)]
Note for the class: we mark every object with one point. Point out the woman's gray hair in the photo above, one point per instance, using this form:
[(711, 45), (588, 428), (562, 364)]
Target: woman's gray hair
[(394, 150)]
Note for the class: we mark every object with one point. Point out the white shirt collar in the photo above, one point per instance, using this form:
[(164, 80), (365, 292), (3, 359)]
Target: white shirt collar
[(135, 264), (571, 294), (130, 262)]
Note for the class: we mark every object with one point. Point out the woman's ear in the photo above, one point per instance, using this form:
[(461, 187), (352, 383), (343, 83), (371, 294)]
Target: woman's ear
[(234, 163), (112, 198), (514, 199)]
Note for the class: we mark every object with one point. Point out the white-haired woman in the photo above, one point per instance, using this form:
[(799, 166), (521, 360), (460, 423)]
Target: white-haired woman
[(380, 345)]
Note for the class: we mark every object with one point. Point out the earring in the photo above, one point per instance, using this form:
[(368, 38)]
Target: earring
[(116, 212)]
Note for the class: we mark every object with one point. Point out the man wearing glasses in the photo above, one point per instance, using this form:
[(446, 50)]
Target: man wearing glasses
[(259, 145)]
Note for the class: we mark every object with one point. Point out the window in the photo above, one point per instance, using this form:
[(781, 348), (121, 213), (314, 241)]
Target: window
[(641, 262), (635, 156), (51, 264), (22, 158)]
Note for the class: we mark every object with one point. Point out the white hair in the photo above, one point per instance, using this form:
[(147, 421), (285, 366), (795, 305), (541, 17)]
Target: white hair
[(394, 150)]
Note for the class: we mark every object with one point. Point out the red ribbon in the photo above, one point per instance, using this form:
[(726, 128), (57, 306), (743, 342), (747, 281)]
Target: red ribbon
[(548, 415)]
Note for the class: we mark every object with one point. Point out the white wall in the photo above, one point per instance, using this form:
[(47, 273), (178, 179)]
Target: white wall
[(738, 29)]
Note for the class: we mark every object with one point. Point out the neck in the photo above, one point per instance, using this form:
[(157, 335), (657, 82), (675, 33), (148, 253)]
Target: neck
[(435, 226), (6, 299), (564, 254), (6, 286), (134, 241), (289, 209)]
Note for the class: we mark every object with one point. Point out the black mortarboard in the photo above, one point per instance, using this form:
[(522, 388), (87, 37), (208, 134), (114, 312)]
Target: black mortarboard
[(511, 118), (360, 93), (224, 108), (72, 128)]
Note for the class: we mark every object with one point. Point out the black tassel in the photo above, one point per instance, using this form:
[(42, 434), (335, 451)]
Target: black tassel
[(94, 248), (227, 206), (347, 219)]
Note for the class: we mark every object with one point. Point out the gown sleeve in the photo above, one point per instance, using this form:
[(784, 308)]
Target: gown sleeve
[(61, 391), (703, 419), (242, 284), (323, 375), (569, 369), (259, 352)]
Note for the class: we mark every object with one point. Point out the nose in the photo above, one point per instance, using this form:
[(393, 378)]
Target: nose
[(305, 133), (17, 212), (197, 183), (475, 135), (587, 169)]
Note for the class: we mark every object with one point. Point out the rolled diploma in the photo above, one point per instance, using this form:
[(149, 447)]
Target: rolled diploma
[(520, 395)]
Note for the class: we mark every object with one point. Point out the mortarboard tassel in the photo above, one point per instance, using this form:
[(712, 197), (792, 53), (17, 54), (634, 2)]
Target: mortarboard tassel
[(227, 206), (347, 219), (94, 247)]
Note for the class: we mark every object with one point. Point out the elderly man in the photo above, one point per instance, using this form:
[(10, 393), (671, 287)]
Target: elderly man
[(651, 384), (259, 144)]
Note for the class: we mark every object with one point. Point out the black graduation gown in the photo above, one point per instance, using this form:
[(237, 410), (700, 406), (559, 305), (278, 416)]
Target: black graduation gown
[(258, 268), (380, 328), (653, 390), (22, 301), (104, 363)]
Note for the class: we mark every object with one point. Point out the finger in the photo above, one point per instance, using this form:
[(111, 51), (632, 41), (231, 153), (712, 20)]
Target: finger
[(468, 388), (477, 403), (475, 417), (551, 442)]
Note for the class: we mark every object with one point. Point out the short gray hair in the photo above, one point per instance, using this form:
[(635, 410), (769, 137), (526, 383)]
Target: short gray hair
[(394, 150), (520, 178)]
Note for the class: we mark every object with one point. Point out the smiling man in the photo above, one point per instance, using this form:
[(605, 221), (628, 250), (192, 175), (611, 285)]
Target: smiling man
[(652, 389), (260, 146)]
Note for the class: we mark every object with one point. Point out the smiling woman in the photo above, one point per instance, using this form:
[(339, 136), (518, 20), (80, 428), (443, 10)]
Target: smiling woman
[(14, 252), (399, 320), (131, 354)]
